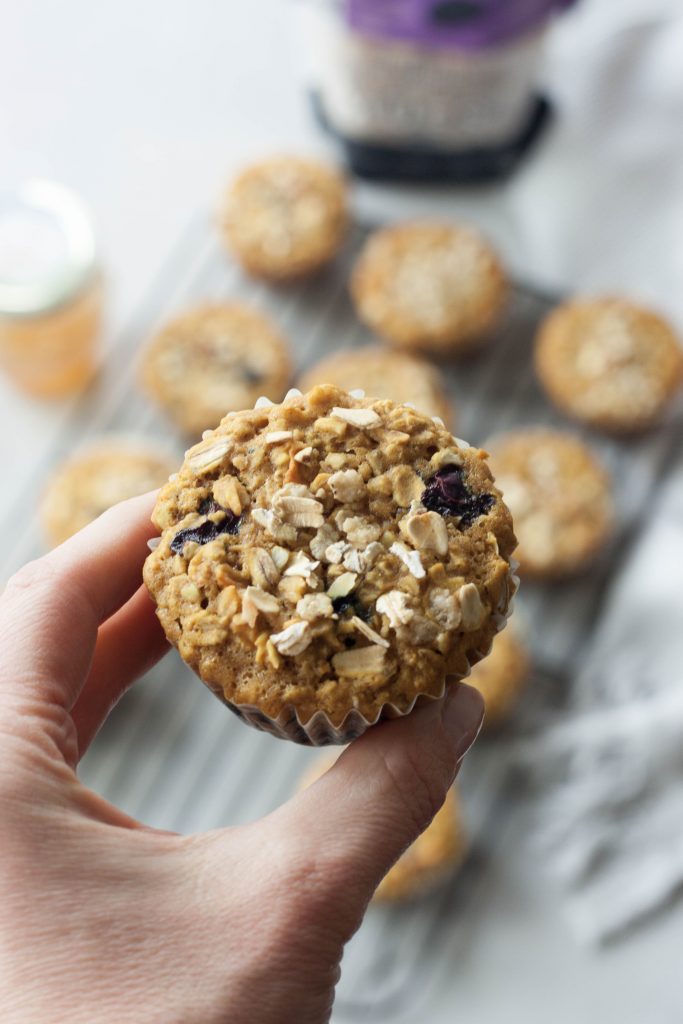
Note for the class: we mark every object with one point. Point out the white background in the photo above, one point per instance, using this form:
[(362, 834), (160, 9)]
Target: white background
[(145, 107)]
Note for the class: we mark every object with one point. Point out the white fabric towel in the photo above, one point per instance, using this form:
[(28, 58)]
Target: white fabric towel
[(611, 810)]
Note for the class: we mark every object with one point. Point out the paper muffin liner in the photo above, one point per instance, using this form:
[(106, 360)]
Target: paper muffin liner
[(319, 731)]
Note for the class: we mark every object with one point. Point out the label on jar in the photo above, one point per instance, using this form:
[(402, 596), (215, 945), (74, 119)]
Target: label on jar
[(460, 24)]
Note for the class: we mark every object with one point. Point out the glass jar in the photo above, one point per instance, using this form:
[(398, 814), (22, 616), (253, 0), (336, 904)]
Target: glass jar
[(51, 294), (428, 89)]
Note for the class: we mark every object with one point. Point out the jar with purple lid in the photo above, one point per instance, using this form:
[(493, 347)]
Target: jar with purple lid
[(428, 89)]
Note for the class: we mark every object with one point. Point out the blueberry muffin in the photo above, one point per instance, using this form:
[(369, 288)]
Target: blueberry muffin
[(333, 554), (285, 217), (501, 677), (429, 286), (385, 373), (560, 498), (89, 483), (212, 360), (609, 363)]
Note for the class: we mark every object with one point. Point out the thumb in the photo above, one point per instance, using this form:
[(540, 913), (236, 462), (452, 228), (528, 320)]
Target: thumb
[(382, 793)]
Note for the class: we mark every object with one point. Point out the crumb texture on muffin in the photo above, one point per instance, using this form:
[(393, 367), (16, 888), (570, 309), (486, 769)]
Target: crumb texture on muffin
[(385, 373), (331, 553), (609, 363), (212, 360), (285, 217), (560, 498), (431, 286)]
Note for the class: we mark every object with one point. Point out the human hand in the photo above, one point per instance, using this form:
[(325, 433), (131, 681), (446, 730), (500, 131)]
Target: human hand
[(106, 920)]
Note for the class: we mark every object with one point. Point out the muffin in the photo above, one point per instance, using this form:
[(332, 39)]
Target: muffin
[(560, 498), (501, 677), (429, 286), (89, 483), (285, 217), (212, 360), (385, 374), (432, 859), (327, 561), (609, 363)]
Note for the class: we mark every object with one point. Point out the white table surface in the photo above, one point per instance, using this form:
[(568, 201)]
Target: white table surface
[(145, 106)]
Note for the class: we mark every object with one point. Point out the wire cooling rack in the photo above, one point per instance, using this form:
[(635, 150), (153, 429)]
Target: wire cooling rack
[(171, 756)]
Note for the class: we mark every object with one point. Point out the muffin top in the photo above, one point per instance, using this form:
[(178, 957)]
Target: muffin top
[(89, 483), (285, 217), (559, 495), (213, 359), (429, 286), (383, 373), (609, 362), (331, 553)]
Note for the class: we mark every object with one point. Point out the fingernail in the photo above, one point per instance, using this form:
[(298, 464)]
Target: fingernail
[(462, 715)]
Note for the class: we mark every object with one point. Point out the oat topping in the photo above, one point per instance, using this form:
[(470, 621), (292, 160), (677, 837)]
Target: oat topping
[(360, 663), (410, 559), (278, 436), (367, 632), (293, 639), (335, 584), (357, 417), (342, 585), (395, 606)]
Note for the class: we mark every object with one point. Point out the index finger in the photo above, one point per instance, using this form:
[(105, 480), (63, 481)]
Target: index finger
[(51, 609)]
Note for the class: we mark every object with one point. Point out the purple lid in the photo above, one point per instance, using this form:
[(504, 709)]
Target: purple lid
[(463, 24)]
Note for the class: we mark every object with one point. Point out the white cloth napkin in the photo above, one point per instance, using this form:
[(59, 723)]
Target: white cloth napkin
[(611, 766)]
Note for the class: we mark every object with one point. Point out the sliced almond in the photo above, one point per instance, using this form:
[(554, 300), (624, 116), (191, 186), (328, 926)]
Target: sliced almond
[(471, 607), (357, 417), (426, 531), (410, 559), (342, 586), (368, 632), (304, 455), (360, 662), (278, 436), (263, 403), (293, 639), (280, 557), (204, 457)]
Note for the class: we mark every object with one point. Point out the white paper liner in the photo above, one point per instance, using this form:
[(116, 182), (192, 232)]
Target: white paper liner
[(319, 731)]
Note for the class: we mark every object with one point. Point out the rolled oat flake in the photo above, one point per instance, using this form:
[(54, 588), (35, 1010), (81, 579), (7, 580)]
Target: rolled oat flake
[(428, 89)]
